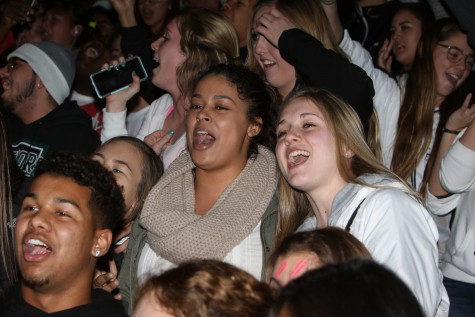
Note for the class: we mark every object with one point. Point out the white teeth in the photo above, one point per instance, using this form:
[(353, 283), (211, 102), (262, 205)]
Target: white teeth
[(299, 152), (267, 63), (202, 132), (454, 76), (37, 242)]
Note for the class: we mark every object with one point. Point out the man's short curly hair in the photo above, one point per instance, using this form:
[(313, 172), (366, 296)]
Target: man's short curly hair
[(106, 202)]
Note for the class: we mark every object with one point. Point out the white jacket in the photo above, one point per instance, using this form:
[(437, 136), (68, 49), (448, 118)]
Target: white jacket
[(387, 102), (399, 233), (457, 176), (114, 125)]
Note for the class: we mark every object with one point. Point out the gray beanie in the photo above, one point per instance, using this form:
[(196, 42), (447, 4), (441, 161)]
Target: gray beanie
[(53, 63)]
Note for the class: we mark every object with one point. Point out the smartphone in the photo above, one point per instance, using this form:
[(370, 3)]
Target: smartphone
[(109, 81)]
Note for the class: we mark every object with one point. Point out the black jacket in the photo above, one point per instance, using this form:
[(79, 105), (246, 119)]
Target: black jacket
[(103, 305), (321, 68), (67, 127)]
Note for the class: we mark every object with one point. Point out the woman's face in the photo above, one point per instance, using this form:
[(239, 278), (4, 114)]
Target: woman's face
[(406, 31), (451, 74), (168, 54), (154, 12), (149, 307), (125, 162), (218, 130), (279, 74), (290, 266), (306, 150)]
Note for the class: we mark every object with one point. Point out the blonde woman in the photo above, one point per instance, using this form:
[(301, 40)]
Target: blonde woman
[(323, 156)]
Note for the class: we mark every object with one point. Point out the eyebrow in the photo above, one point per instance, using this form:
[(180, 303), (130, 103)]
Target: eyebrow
[(301, 116), (58, 200), (115, 161), (216, 97)]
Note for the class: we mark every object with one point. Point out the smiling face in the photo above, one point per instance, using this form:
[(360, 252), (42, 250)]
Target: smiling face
[(218, 129), (450, 75), (406, 30), (168, 54), (125, 162), (290, 266), (306, 151), (55, 234), (154, 13), (18, 84), (279, 74)]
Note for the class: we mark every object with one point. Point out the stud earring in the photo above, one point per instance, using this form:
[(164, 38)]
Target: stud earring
[(98, 253)]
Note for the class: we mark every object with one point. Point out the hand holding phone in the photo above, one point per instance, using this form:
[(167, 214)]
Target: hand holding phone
[(117, 78)]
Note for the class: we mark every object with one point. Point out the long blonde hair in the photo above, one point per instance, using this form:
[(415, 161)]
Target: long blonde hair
[(207, 39), (347, 131)]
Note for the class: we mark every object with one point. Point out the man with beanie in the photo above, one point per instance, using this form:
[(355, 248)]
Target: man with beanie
[(35, 83)]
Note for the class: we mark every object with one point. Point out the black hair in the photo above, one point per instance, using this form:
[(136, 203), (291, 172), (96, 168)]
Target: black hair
[(106, 202), (260, 98), (354, 288)]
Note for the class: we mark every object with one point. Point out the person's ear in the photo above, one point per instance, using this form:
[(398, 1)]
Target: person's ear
[(103, 241), (77, 29), (347, 152), (39, 83), (254, 128)]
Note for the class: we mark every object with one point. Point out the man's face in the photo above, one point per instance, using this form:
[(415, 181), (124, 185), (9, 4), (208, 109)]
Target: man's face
[(59, 28), (55, 235), (18, 84)]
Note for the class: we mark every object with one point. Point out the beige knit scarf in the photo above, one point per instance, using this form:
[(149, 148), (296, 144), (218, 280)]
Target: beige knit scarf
[(177, 234)]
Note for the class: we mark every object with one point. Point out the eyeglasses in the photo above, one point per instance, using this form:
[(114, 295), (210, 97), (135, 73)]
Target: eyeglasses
[(455, 55)]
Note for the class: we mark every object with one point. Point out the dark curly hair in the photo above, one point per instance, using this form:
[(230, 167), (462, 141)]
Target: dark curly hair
[(106, 199), (259, 97)]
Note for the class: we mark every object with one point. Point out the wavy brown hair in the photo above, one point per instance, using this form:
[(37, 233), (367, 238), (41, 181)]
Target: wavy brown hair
[(205, 288)]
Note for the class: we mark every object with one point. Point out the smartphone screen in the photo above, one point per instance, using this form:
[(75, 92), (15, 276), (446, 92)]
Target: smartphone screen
[(106, 82)]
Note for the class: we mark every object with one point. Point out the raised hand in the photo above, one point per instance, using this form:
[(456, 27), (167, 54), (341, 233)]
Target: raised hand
[(272, 24), (118, 101), (159, 140), (462, 117), (385, 59), (107, 280)]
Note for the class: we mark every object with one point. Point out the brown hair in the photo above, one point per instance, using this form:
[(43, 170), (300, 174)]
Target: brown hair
[(10, 175), (332, 245), (416, 117), (203, 288), (152, 170)]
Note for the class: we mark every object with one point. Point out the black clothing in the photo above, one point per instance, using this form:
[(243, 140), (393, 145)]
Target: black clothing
[(463, 10), (136, 42), (67, 127), (102, 305), (321, 68), (370, 26)]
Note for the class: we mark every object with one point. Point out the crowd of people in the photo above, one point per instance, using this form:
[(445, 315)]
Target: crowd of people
[(280, 158)]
